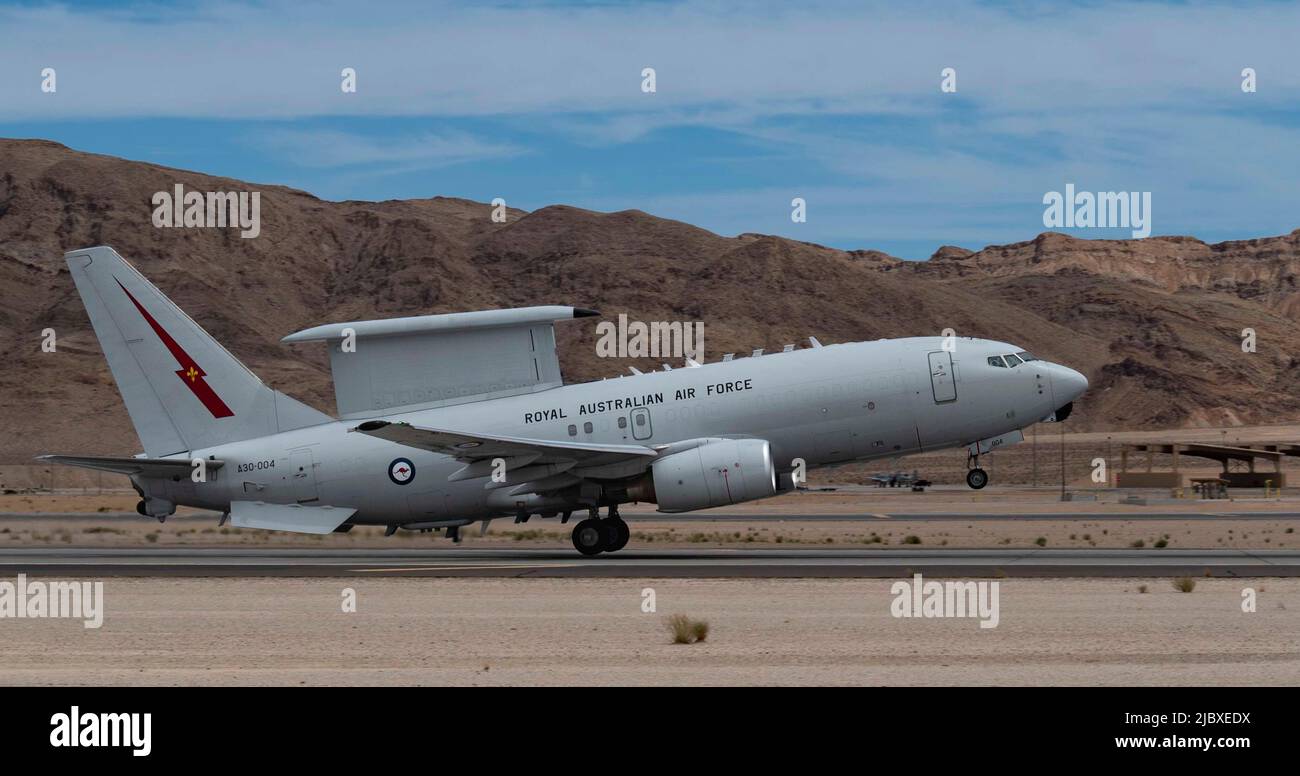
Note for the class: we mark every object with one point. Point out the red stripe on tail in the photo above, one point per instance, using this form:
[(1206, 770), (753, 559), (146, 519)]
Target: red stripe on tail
[(190, 372)]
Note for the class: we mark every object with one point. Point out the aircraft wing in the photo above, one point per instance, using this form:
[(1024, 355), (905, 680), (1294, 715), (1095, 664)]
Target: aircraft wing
[(149, 467), (477, 447)]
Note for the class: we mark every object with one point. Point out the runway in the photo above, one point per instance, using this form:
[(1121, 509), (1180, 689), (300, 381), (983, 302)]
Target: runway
[(835, 517), (708, 563), (762, 517)]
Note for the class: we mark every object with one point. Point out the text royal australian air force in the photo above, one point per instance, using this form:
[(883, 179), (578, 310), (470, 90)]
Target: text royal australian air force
[(630, 402)]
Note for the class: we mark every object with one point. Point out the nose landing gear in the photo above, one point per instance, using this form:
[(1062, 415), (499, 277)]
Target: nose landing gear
[(976, 478)]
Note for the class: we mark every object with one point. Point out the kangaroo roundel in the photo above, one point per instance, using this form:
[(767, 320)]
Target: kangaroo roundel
[(401, 471)]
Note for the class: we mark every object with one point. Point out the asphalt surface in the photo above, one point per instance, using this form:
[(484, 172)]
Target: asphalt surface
[(743, 563), (750, 517), (958, 516)]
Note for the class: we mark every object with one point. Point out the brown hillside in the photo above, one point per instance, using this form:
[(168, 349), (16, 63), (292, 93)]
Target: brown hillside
[(1155, 323)]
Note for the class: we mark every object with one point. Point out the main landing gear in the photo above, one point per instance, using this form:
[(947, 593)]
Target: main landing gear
[(594, 536), (976, 478)]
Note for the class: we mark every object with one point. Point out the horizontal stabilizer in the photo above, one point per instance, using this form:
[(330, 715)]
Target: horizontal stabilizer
[(149, 467), (288, 517)]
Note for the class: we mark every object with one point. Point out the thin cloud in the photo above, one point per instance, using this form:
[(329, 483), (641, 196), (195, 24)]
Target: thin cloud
[(327, 149), (835, 101), (272, 61)]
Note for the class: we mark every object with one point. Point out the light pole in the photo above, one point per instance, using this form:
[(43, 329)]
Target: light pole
[(1108, 464), (1034, 448), (1062, 461)]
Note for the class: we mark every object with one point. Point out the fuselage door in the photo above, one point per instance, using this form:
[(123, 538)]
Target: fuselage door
[(302, 476), (641, 428), (941, 377)]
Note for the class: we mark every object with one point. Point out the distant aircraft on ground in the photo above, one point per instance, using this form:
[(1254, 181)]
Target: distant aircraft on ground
[(911, 480), (447, 420)]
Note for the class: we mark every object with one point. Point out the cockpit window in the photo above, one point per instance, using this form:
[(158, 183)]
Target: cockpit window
[(1026, 356), (1013, 360), (997, 361)]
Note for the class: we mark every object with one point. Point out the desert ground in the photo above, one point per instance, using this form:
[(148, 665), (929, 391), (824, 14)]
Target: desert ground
[(594, 632), (1009, 516), (494, 631)]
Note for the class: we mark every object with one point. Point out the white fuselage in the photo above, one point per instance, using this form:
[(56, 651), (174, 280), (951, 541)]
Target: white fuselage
[(825, 405)]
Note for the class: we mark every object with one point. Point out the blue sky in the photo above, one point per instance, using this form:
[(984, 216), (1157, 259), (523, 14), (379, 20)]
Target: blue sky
[(756, 103)]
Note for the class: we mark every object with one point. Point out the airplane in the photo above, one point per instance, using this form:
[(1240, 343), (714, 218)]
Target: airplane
[(899, 479), (447, 420)]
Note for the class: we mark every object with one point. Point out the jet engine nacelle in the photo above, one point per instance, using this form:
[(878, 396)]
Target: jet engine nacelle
[(714, 474), (155, 507)]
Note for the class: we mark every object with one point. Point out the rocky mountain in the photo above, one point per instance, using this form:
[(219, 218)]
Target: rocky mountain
[(1156, 323)]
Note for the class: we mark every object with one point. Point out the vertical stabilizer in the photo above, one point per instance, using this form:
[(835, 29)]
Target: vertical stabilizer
[(183, 390)]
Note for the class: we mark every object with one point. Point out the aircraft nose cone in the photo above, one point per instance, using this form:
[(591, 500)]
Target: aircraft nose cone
[(1067, 384)]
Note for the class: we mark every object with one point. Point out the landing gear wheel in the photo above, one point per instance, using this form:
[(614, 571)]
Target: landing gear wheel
[(589, 537), (977, 478), (616, 533)]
